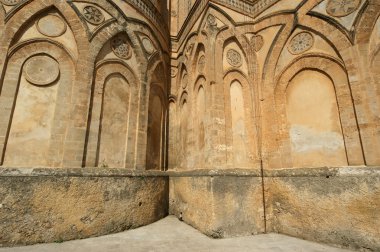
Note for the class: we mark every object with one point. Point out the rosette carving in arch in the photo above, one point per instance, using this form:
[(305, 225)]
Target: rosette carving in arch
[(94, 16)]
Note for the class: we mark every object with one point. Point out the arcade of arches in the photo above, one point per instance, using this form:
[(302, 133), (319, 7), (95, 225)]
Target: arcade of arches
[(239, 116)]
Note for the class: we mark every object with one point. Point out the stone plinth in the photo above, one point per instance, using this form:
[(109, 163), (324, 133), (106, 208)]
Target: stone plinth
[(53, 205)]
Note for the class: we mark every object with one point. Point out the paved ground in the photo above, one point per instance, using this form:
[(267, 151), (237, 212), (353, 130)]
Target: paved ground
[(170, 234)]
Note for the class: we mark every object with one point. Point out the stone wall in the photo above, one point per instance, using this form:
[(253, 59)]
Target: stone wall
[(225, 96), (55, 205), (338, 206), (220, 204), (283, 88), (285, 83), (77, 81)]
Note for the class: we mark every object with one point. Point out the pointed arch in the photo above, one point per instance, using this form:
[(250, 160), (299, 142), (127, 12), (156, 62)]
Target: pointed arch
[(56, 121), (156, 143), (34, 8), (110, 76), (336, 72), (241, 126)]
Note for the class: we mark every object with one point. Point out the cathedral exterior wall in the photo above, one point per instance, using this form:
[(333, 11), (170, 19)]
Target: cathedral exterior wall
[(76, 81), (284, 88), (56, 205), (240, 103)]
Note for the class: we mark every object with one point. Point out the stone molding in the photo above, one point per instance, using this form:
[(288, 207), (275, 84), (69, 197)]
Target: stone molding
[(348, 171)]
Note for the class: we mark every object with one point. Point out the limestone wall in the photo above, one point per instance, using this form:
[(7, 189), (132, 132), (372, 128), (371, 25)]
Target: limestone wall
[(282, 83), (55, 205), (243, 102), (280, 88), (77, 83), (337, 206), (219, 204)]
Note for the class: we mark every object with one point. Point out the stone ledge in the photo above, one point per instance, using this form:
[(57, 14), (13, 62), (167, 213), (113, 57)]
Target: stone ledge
[(78, 172), (216, 173), (349, 171)]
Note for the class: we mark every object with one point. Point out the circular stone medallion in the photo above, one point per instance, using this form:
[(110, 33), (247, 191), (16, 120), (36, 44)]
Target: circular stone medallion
[(301, 42), (341, 8), (121, 47), (10, 2), (41, 70), (93, 15), (257, 42), (234, 58), (51, 26), (148, 46)]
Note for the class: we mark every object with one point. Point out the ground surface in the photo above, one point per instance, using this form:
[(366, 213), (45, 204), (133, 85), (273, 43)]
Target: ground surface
[(170, 234)]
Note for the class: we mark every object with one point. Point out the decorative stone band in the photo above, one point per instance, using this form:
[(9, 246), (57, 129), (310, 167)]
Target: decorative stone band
[(251, 9), (148, 9), (10, 2)]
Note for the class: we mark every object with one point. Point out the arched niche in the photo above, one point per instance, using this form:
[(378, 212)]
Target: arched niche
[(49, 24), (156, 154), (156, 129), (313, 119), (199, 122), (36, 97), (199, 60), (112, 122), (241, 137), (183, 131), (304, 139), (173, 134)]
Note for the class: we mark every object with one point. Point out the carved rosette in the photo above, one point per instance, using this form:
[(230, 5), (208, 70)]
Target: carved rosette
[(301, 42), (257, 41), (341, 8), (10, 2), (93, 15), (234, 58), (51, 26), (121, 47), (41, 70)]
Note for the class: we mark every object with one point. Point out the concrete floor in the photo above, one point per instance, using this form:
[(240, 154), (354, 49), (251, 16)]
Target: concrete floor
[(170, 234)]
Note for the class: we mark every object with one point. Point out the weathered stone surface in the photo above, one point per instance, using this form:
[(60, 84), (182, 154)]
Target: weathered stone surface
[(44, 206), (258, 85), (219, 206), (339, 207)]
